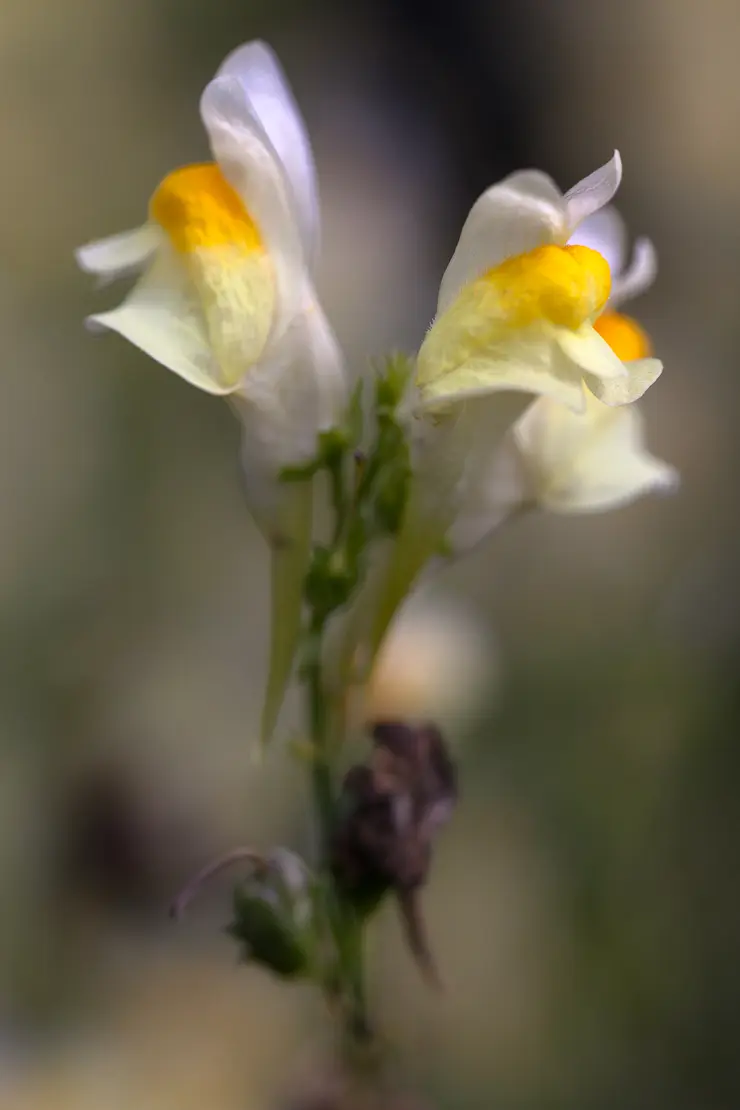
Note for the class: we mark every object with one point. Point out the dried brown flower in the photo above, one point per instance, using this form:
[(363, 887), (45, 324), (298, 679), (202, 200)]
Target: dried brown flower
[(391, 808)]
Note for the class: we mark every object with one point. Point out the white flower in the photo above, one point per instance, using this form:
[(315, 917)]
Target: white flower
[(519, 299), (577, 462), (226, 300), (518, 315)]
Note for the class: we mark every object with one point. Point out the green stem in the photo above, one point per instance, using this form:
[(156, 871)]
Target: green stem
[(321, 771), (345, 924), (339, 501), (358, 1022)]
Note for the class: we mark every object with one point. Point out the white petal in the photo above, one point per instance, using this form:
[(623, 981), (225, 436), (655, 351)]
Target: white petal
[(606, 233), (522, 212), (120, 254), (320, 346), (162, 317), (590, 353), (594, 192), (549, 436), (641, 373), (447, 463), (298, 390), (639, 275), (502, 488), (591, 462), (248, 161), (612, 487), (272, 104)]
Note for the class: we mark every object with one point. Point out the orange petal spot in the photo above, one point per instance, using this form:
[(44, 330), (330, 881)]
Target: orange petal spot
[(624, 335), (197, 207)]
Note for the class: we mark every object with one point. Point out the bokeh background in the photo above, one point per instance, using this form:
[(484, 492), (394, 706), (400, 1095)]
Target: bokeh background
[(584, 906)]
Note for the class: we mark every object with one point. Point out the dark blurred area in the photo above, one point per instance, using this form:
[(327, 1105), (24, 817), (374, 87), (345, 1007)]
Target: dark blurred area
[(583, 908)]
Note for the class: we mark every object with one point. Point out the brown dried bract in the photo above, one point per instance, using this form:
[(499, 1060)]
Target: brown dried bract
[(392, 807)]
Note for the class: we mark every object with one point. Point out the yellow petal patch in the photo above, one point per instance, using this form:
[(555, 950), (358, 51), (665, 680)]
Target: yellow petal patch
[(624, 335), (198, 208), (559, 287), (564, 285), (225, 258)]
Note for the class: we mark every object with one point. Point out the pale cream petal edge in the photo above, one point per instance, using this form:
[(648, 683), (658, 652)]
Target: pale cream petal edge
[(120, 254), (161, 317)]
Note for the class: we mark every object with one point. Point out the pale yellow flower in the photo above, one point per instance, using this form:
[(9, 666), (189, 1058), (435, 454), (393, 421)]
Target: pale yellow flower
[(226, 300), (577, 462), (518, 315), (518, 301)]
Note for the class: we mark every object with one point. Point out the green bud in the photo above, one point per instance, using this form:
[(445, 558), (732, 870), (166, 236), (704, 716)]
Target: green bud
[(274, 919), (263, 937)]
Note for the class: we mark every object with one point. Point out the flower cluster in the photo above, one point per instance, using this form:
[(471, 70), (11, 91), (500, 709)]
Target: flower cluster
[(521, 396), (521, 391)]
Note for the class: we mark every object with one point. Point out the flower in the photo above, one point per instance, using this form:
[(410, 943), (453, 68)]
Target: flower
[(518, 315), (570, 462), (226, 300), (519, 299)]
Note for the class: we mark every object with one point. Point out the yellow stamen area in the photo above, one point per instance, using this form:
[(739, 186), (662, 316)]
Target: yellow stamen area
[(563, 285), (624, 335), (198, 208)]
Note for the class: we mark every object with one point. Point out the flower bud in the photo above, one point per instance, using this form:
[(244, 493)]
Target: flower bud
[(273, 919)]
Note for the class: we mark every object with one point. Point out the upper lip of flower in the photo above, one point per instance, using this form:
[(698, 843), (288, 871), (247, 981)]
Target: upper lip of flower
[(524, 211), (274, 112)]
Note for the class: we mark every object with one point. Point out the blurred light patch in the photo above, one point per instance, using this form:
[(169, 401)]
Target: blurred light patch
[(438, 663)]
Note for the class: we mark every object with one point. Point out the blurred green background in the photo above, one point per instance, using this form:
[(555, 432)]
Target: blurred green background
[(584, 906)]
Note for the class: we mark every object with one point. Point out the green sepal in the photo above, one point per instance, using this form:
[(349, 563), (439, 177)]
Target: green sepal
[(391, 382), (290, 560)]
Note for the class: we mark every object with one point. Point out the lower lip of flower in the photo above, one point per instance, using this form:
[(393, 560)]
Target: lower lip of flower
[(551, 286)]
